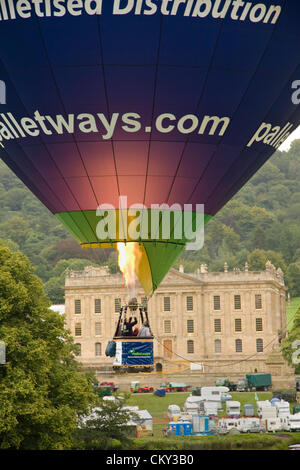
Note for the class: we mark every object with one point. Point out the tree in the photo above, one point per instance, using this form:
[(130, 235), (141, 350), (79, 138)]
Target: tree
[(291, 345), (108, 422), (257, 260), (43, 389), (16, 229), (293, 279)]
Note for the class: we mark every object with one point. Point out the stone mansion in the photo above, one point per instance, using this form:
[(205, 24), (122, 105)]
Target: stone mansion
[(217, 322)]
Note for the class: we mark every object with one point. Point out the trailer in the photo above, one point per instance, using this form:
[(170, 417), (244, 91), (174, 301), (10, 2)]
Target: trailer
[(192, 404), (233, 408), (175, 386), (254, 382), (282, 408), (173, 411), (259, 381), (293, 422), (210, 408), (265, 408), (273, 424)]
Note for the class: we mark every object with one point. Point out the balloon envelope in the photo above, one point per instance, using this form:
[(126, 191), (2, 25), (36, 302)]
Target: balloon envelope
[(173, 103)]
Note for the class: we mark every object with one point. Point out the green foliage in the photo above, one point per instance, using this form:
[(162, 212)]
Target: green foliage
[(291, 345), (107, 427), (42, 387)]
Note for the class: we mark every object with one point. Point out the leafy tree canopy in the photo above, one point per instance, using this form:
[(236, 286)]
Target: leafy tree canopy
[(42, 387)]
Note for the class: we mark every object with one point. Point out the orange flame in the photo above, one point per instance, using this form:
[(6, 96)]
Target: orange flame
[(128, 259)]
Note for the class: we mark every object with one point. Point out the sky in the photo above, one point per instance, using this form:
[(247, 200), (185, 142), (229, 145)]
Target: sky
[(287, 143)]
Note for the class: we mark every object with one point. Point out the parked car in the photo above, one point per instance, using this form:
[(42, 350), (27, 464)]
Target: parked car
[(253, 428)]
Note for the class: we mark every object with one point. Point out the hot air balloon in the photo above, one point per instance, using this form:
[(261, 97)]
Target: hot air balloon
[(159, 102)]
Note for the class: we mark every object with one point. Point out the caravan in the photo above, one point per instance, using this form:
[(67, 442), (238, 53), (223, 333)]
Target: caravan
[(274, 424), (192, 404), (174, 412), (282, 408), (233, 408), (293, 422), (266, 410), (214, 393)]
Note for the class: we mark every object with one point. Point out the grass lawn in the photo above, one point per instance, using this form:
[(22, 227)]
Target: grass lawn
[(291, 310)]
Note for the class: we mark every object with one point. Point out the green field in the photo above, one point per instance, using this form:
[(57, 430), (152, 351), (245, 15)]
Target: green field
[(291, 310)]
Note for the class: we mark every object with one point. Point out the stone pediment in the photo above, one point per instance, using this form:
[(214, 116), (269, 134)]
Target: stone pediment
[(179, 278)]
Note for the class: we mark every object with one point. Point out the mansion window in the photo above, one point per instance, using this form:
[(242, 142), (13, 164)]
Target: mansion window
[(97, 305), (167, 304), (117, 305), (190, 326), (259, 345), (238, 324), (98, 349), (98, 329), (77, 306), (258, 301), (190, 347), (217, 302), (167, 326), (237, 302), (259, 324), (78, 329), (218, 346), (190, 303), (238, 346), (217, 324)]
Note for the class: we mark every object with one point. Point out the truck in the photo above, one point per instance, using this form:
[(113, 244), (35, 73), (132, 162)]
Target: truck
[(254, 382), (175, 386), (135, 387), (223, 382)]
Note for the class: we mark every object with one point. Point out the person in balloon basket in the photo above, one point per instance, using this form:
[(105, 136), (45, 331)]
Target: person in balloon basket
[(144, 330), (128, 326)]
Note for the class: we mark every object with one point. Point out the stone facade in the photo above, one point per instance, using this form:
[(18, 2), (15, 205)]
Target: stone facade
[(229, 322)]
